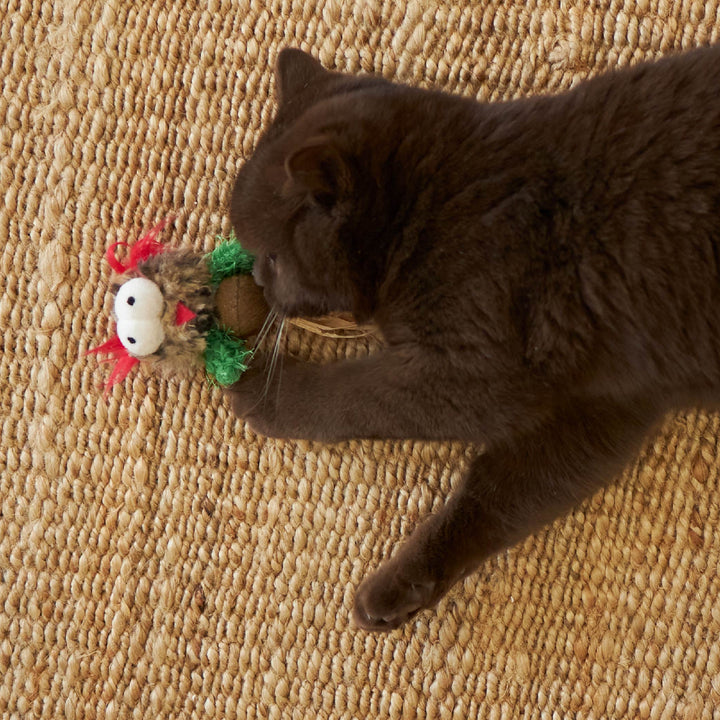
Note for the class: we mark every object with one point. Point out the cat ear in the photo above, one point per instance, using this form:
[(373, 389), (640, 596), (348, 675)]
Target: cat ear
[(320, 170), (295, 71)]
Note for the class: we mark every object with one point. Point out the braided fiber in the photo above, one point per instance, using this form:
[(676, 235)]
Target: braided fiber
[(157, 559)]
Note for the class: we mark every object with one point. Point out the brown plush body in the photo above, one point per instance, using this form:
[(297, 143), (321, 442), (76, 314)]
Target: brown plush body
[(240, 305), (182, 276), (546, 274)]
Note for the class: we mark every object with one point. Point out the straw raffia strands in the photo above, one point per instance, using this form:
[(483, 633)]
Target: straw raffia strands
[(339, 327), (157, 559)]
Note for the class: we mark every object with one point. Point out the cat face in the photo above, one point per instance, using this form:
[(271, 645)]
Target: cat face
[(294, 235), (297, 202)]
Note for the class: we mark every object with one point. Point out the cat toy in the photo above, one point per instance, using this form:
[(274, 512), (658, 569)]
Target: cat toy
[(179, 309)]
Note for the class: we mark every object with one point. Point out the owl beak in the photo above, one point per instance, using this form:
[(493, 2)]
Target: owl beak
[(183, 314)]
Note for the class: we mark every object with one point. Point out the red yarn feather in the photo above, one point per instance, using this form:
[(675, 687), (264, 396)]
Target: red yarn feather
[(113, 346), (145, 247), (124, 361), (122, 367)]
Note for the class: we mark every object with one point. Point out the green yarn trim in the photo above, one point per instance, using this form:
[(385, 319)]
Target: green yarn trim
[(228, 258), (226, 356)]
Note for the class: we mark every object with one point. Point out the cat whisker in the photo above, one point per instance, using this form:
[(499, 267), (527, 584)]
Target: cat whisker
[(271, 365), (281, 360), (274, 358), (259, 340), (265, 329)]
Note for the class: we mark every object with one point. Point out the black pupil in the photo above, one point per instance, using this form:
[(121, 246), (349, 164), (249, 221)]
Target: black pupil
[(131, 300), (131, 340)]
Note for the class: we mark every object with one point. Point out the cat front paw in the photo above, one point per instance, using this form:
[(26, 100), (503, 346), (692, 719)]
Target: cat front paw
[(252, 399), (386, 600), (272, 397)]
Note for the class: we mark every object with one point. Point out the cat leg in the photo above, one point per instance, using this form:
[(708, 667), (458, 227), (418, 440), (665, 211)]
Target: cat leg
[(382, 396), (509, 491)]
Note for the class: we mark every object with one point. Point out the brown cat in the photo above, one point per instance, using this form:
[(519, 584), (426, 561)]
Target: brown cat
[(545, 272)]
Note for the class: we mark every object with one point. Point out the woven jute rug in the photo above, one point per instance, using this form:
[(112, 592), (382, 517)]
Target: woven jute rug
[(157, 559)]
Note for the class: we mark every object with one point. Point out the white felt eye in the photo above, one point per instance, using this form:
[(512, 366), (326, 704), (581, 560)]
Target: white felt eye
[(138, 298), (140, 337)]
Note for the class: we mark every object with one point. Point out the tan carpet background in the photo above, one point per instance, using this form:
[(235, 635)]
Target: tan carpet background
[(157, 560)]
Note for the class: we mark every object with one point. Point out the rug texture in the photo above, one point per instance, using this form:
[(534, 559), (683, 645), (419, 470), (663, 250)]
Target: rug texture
[(159, 560)]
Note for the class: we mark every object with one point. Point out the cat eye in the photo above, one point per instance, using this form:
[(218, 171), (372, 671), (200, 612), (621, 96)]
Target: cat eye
[(271, 258)]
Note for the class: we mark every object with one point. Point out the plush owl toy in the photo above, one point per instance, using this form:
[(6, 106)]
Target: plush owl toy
[(178, 309)]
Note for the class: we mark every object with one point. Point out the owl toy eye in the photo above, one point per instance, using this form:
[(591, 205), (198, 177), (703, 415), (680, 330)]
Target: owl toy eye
[(138, 309), (138, 298), (140, 337)]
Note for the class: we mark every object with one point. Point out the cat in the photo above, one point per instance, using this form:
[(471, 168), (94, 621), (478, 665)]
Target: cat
[(545, 273)]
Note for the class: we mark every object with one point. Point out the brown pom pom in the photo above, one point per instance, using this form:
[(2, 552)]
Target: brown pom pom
[(240, 305)]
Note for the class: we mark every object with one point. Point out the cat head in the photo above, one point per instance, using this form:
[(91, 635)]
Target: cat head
[(307, 203)]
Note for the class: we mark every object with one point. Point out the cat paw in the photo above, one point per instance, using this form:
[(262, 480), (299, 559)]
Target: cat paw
[(250, 397), (271, 397), (386, 601), (245, 394)]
